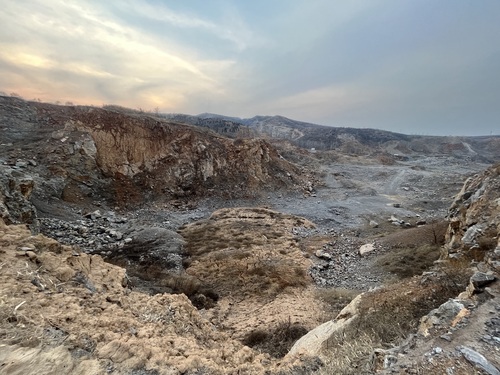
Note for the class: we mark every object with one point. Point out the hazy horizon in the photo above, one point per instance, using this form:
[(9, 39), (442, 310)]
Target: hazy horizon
[(422, 67)]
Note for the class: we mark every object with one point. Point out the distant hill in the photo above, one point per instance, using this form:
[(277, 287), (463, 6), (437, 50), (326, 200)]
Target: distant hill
[(347, 140)]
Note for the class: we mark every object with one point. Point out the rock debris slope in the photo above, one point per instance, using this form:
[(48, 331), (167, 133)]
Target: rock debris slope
[(460, 335)]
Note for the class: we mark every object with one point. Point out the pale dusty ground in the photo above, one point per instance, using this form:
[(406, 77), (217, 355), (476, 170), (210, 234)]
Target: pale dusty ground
[(64, 312)]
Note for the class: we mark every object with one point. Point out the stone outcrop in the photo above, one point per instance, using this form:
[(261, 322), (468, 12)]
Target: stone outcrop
[(475, 216)]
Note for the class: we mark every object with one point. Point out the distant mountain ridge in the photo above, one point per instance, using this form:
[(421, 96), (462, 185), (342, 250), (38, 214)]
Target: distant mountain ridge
[(347, 140)]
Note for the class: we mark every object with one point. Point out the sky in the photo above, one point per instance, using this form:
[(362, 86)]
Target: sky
[(411, 66)]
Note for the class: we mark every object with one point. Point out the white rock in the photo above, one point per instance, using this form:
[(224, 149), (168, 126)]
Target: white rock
[(323, 254), (366, 248), (314, 342)]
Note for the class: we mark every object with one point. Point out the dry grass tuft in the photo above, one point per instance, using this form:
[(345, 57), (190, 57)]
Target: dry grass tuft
[(276, 341), (408, 261), (352, 357), (335, 298)]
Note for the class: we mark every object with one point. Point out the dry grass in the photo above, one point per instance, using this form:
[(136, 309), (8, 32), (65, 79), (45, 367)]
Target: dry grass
[(429, 234), (336, 299), (488, 240), (391, 313), (266, 275), (257, 228), (388, 315), (412, 251), (278, 340), (352, 357), (248, 250), (408, 261), (16, 326), (17, 318)]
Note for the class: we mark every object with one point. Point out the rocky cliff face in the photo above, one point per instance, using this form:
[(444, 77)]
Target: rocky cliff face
[(475, 216), (178, 160), (81, 152)]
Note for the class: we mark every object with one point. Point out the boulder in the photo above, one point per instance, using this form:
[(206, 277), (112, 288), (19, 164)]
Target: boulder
[(316, 340), (366, 248), (444, 315), (478, 281), (479, 361)]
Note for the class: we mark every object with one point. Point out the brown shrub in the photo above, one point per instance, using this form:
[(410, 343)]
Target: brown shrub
[(276, 341), (408, 261)]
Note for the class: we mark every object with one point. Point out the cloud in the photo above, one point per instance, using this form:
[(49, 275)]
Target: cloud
[(230, 27), (389, 64), (75, 52)]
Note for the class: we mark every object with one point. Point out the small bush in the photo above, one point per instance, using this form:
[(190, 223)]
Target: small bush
[(487, 243)]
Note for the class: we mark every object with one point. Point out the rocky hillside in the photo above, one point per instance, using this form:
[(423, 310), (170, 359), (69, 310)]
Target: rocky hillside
[(474, 229), (85, 153), (64, 311), (351, 140)]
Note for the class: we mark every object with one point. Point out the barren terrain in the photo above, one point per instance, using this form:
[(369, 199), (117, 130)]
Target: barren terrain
[(155, 247)]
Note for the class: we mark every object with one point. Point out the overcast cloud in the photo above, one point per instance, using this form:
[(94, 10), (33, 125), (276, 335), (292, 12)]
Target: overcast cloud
[(417, 67)]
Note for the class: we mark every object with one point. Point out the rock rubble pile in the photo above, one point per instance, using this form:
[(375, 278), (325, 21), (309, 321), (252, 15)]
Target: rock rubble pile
[(95, 233), (339, 264)]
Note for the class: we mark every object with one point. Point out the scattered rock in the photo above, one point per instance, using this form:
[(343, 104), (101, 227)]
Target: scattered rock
[(367, 248), (443, 316), (479, 361), (481, 279), (323, 255)]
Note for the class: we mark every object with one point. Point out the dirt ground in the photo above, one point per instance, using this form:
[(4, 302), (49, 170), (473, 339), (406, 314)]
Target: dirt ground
[(69, 312)]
